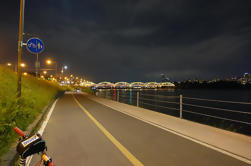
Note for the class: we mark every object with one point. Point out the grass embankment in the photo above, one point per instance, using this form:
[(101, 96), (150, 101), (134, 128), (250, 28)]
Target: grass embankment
[(36, 94)]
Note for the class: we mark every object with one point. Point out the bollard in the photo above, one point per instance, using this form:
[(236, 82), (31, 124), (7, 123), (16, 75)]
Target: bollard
[(181, 106), (137, 99), (118, 96)]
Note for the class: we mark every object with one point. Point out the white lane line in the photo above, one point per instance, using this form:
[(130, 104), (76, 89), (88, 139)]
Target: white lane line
[(246, 160), (41, 130)]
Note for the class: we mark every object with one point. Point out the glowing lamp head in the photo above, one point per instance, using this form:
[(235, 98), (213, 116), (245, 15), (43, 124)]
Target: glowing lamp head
[(23, 65), (49, 62)]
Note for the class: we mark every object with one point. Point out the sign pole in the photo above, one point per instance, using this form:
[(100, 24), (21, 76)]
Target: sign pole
[(37, 65), (20, 45)]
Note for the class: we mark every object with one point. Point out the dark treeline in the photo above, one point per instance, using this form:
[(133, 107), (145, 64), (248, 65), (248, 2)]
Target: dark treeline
[(212, 85)]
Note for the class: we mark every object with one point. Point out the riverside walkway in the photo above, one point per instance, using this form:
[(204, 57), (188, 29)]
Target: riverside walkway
[(91, 131)]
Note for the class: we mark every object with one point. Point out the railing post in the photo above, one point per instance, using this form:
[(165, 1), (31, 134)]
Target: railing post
[(118, 96), (181, 106), (115, 94), (137, 99)]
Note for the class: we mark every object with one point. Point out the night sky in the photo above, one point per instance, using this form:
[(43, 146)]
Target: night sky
[(135, 40)]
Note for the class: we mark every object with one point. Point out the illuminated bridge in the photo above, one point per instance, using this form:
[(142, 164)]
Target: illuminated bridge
[(134, 85)]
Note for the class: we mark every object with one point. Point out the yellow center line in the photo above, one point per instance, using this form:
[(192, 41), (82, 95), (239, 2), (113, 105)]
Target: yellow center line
[(126, 152)]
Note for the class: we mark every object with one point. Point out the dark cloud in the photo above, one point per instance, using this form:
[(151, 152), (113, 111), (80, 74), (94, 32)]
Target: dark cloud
[(136, 39)]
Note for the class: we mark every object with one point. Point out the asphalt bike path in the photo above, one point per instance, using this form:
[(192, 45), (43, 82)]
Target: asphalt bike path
[(83, 132), (74, 140)]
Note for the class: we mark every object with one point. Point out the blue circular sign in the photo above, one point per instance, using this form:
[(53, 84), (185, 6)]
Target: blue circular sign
[(35, 45)]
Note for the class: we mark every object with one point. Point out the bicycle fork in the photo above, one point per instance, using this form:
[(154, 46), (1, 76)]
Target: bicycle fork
[(21, 161)]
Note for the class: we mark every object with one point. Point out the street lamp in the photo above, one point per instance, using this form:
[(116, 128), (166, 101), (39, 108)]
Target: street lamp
[(64, 68), (23, 65), (9, 65), (49, 62)]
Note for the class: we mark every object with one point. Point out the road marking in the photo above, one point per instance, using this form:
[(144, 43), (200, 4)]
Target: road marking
[(236, 156), (41, 130), (122, 149)]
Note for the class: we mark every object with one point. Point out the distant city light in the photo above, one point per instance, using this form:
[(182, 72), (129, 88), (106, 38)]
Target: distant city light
[(9, 64), (65, 67)]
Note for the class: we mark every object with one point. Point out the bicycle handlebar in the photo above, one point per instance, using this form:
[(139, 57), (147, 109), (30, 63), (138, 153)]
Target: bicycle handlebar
[(44, 157), (19, 131), (51, 164)]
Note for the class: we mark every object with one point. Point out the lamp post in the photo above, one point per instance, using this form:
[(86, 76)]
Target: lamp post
[(37, 65), (22, 65), (9, 65), (62, 71), (20, 45), (49, 62)]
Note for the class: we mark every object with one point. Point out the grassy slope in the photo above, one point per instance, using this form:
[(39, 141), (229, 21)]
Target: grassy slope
[(36, 95)]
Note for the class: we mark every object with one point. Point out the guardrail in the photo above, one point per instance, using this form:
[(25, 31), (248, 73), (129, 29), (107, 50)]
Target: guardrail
[(185, 107)]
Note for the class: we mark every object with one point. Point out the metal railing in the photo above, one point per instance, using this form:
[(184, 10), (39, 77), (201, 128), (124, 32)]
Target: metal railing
[(184, 107)]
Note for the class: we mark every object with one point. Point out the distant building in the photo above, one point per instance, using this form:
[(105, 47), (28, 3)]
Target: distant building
[(246, 78), (214, 80), (164, 78), (234, 78)]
